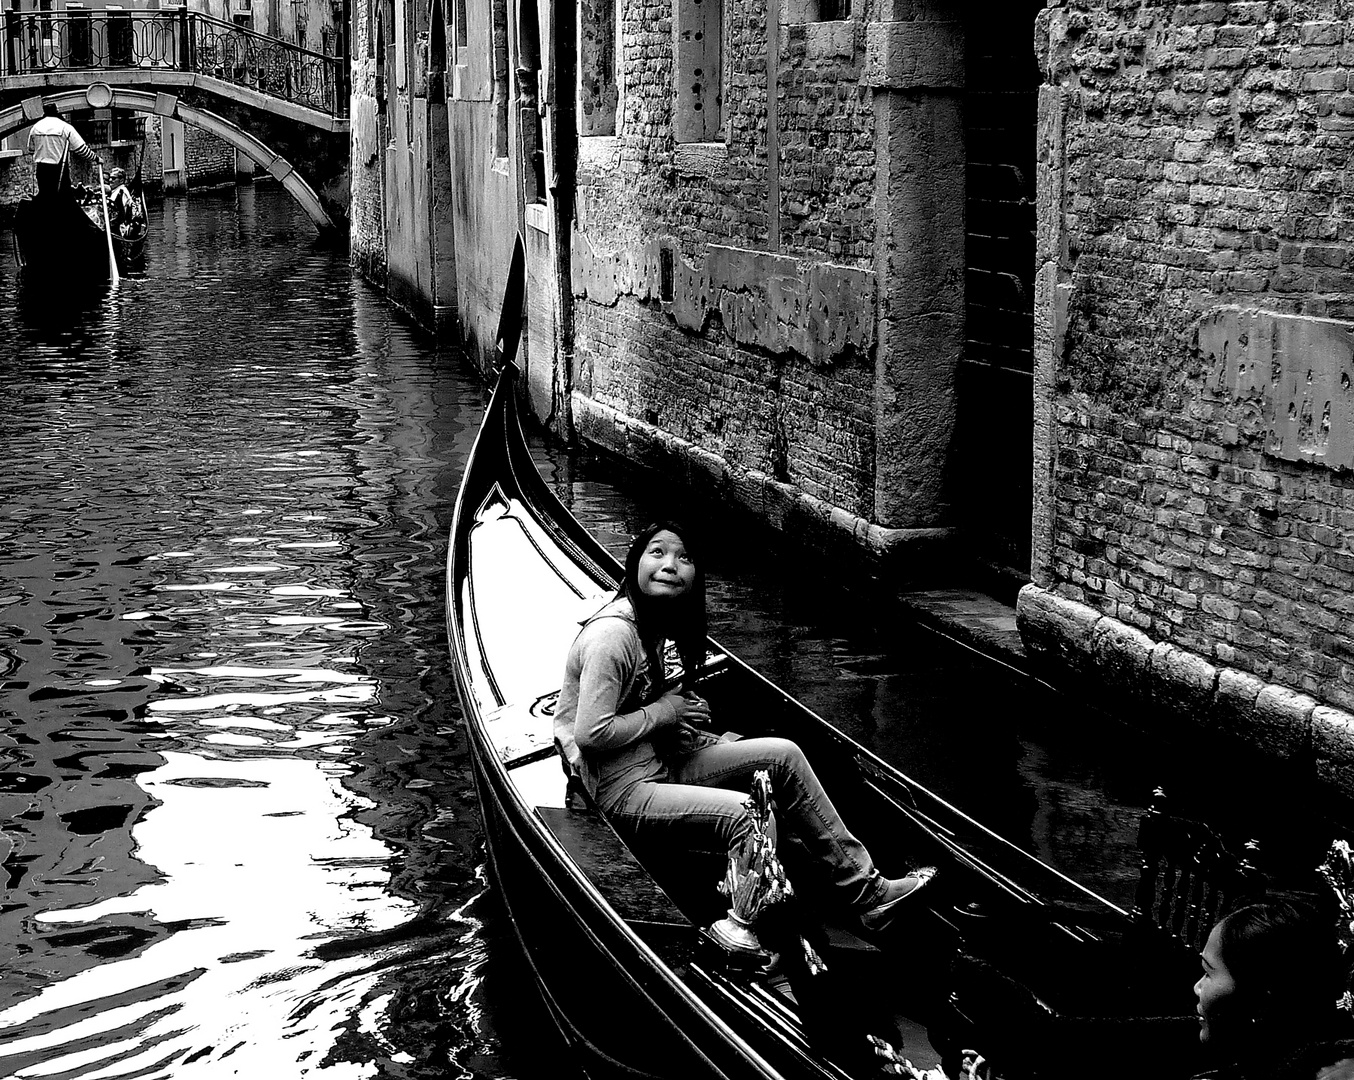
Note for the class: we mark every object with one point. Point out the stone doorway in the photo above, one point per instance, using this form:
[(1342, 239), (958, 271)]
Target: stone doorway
[(992, 486)]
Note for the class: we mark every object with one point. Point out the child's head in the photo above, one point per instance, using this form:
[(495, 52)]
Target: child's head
[(665, 583), (660, 564), (664, 552)]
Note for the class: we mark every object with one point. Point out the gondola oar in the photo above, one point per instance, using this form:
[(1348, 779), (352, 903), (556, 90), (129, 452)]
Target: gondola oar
[(108, 231)]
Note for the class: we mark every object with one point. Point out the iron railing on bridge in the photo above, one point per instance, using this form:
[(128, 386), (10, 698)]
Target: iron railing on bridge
[(39, 42)]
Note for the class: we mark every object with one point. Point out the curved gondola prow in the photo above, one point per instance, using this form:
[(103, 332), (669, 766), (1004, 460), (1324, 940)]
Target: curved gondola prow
[(509, 335), (489, 443)]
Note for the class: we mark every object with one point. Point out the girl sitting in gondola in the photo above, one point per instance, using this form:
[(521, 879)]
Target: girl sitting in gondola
[(641, 755)]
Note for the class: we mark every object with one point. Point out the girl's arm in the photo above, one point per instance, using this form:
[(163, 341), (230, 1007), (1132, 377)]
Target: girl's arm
[(610, 655)]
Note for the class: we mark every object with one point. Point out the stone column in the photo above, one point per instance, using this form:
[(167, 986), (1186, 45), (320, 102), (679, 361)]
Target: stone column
[(1052, 291), (915, 62)]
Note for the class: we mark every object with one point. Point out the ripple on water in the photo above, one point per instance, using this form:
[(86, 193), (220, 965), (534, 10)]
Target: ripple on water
[(222, 554)]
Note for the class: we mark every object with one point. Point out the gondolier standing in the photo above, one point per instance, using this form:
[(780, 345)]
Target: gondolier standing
[(51, 142)]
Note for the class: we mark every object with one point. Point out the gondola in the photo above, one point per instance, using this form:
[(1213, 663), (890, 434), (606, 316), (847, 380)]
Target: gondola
[(1006, 955), (57, 240)]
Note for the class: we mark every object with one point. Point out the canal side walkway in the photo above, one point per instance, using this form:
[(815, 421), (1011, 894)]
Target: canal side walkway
[(971, 618), (1164, 691)]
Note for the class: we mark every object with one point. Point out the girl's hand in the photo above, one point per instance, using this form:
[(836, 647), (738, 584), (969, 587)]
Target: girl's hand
[(689, 707)]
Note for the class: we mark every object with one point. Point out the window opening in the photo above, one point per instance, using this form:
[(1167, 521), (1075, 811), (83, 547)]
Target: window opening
[(437, 55), (528, 92), (502, 91), (699, 113), (597, 90), (408, 74), (666, 282)]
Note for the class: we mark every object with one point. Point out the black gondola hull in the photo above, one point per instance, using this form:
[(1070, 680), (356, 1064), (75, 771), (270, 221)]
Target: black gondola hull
[(56, 241), (996, 955)]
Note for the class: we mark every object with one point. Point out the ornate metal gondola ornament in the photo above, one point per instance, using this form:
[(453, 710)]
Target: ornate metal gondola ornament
[(754, 879), (1338, 872)]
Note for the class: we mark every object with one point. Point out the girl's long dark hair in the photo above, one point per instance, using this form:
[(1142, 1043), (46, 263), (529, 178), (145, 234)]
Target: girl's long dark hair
[(680, 619)]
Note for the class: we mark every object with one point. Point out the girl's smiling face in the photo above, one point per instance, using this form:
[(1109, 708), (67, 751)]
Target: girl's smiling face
[(665, 569), (1214, 987)]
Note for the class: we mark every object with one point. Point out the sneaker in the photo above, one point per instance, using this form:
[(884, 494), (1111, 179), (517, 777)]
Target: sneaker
[(879, 916)]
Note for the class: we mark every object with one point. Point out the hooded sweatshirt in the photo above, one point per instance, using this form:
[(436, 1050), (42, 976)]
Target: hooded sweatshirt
[(610, 705)]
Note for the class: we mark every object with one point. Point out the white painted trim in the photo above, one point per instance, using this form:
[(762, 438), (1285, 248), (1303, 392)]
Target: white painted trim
[(538, 217)]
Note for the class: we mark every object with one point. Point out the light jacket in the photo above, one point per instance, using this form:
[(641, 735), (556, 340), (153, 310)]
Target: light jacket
[(610, 705)]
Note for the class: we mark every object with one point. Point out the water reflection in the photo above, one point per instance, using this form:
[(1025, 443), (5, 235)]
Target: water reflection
[(240, 831)]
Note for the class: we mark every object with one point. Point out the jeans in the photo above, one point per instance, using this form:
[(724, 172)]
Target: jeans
[(701, 808)]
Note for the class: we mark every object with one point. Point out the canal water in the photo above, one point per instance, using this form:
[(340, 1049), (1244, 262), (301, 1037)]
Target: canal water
[(239, 827)]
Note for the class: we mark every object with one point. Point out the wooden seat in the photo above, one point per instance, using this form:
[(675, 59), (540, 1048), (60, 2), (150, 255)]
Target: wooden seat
[(1190, 878), (610, 865)]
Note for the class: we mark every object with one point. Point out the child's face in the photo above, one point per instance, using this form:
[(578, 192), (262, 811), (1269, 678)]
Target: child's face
[(665, 569)]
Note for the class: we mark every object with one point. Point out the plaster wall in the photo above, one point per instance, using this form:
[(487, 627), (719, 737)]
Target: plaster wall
[(485, 215), (391, 238), (402, 165), (366, 234), (434, 202), (483, 177)]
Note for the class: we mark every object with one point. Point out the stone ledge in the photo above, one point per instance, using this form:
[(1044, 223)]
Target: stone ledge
[(1275, 720), (781, 505)]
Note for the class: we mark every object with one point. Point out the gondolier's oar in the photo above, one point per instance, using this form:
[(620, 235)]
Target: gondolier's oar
[(108, 230)]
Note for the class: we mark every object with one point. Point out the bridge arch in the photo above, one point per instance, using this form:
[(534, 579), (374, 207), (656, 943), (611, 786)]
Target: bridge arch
[(102, 96)]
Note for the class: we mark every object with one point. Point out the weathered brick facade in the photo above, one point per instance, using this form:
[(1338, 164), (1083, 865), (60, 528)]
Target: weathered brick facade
[(1195, 426), (755, 295), (761, 405), (366, 229), (209, 160)]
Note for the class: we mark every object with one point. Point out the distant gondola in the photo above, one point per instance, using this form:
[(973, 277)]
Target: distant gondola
[(57, 239), (1005, 955)]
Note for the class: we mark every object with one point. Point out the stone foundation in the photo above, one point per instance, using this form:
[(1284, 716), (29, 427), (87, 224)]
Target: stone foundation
[(1064, 636), (902, 556)]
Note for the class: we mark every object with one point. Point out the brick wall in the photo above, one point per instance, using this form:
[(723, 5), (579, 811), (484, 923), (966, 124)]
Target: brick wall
[(714, 363), (210, 160), (1196, 274), (366, 230), (16, 180), (827, 149), (758, 412)]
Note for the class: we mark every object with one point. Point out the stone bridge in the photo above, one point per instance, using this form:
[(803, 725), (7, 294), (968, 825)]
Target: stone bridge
[(284, 107)]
